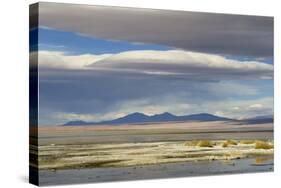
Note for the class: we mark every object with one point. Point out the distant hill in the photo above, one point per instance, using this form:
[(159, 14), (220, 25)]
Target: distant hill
[(258, 120), (78, 122), (263, 117), (137, 118)]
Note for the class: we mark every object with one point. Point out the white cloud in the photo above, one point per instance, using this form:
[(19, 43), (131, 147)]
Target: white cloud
[(58, 59), (74, 116), (66, 116), (161, 63), (242, 109), (236, 108), (181, 63), (256, 106), (179, 57)]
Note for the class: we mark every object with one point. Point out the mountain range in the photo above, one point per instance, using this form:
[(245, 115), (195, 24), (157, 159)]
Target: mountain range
[(258, 120), (139, 118)]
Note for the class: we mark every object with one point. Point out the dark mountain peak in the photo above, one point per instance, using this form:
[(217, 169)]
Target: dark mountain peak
[(203, 114), (137, 117), (164, 114), (76, 122), (136, 114), (262, 117), (259, 119), (167, 114), (204, 117)]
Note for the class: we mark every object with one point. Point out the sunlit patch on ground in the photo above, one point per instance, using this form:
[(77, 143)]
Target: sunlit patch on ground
[(135, 154)]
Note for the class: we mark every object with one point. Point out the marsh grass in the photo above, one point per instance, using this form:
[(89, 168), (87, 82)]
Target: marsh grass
[(224, 144), (191, 143), (150, 153), (200, 143), (232, 142), (262, 160), (263, 145), (229, 143), (204, 143), (247, 141)]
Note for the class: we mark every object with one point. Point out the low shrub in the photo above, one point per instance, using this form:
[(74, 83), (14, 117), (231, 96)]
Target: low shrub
[(191, 143), (225, 144), (231, 142), (204, 143), (247, 141), (263, 145)]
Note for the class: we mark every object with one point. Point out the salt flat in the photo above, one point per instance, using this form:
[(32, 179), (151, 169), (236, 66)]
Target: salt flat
[(175, 131)]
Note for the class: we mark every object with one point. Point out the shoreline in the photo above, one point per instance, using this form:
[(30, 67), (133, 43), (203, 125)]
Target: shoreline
[(157, 171)]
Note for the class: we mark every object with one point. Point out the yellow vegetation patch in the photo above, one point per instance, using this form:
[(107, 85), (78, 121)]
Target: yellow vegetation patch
[(191, 143), (228, 143), (204, 143), (132, 154), (225, 144), (231, 142), (200, 143), (263, 145), (247, 141)]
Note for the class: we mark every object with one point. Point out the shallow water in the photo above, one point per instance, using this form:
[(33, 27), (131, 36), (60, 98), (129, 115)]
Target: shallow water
[(170, 170)]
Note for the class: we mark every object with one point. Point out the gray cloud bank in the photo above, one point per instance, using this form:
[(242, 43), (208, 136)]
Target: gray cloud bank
[(193, 31)]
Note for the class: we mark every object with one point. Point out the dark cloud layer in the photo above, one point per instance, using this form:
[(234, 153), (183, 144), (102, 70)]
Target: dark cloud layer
[(203, 32), (101, 93)]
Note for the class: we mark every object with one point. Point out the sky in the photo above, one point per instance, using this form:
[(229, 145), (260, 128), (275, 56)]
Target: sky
[(99, 63)]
